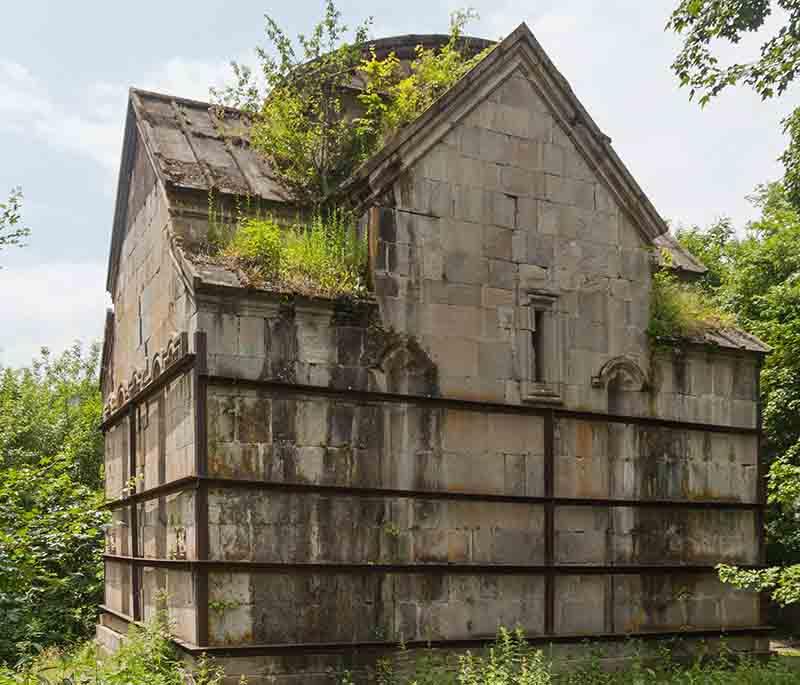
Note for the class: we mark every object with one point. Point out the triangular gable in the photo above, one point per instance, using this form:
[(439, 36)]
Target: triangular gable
[(519, 52)]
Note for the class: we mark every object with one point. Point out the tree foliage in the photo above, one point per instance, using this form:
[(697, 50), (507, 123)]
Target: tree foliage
[(704, 23), (310, 123), (393, 99), (757, 279), (300, 126), (50, 523), (11, 232)]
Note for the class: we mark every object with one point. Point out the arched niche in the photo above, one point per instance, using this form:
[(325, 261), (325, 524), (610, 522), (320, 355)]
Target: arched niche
[(406, 368), (621, 376)]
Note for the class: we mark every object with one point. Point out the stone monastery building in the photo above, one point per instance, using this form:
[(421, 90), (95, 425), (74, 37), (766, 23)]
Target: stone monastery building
[(490, 439)]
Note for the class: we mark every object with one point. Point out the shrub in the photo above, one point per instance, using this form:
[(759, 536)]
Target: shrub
[(303, 124), (259, 244), (51, 536)]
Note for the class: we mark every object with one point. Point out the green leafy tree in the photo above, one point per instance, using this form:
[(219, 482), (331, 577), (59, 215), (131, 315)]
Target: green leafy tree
[(301, 126), (703, 24), (11, 232), (310, 122), (51, 534)]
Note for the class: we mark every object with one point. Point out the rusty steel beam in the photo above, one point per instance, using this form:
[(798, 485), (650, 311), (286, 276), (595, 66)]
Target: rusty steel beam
[(761, 494), (473, 405), (185, 483), (286, 649), (549, 524), (134, 514), (433, 568), (200, 572), (214, 482)]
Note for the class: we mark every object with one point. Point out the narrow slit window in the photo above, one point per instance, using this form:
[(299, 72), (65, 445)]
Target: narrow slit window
[(141, 332), (538, 346)]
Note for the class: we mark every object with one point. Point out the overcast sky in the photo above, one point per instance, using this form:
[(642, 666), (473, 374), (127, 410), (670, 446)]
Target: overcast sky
[(65, 69)]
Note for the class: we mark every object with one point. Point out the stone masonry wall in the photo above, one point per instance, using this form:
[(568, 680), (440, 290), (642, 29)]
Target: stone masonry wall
[(498, 245), (149, 296), (502, 206)]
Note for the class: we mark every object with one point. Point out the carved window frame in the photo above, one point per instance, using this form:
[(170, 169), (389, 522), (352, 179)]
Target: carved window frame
[(539, 321)]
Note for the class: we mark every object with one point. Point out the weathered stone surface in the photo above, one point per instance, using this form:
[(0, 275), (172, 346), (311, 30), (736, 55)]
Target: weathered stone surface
[(506, 270)]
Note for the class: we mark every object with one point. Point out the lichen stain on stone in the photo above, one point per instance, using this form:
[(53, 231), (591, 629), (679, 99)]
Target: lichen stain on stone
[(662, 462), (660, 536), (280, 334), (680, 372)]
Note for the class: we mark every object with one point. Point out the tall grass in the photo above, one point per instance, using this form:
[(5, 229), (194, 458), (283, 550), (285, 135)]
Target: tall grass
[(324, 256)]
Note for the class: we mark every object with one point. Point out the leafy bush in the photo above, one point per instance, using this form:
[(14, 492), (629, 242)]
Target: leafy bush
[(325, 257), (678, 310), (146, 656), (51, 535)]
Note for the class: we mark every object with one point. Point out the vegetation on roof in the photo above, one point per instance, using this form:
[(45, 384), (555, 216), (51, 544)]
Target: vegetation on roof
[(682, 310), (310, 123), (322, 257)]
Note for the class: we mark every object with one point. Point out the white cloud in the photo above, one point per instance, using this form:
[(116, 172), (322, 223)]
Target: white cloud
[(93, 125), (50, 305), (188, 78), (93, 130)]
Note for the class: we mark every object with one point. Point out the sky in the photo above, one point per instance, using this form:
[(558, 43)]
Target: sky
[(65, 69)]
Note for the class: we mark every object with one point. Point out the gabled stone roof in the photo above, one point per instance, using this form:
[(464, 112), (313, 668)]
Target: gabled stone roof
[(519, 51), (680, 259), (197, 146)]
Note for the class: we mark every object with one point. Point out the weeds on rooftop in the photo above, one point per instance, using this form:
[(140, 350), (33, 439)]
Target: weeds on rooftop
[(678, 310), (324, 256)]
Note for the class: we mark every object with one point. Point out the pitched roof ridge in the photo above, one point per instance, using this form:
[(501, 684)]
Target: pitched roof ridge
[(609, 167)]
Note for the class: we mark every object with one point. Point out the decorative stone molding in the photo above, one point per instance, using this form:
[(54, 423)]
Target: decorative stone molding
[(176, 348), (625, 369), (538, 334)]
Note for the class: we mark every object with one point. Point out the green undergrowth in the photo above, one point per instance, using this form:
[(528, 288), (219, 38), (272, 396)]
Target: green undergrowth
[(512, 661), (323, 257), (146, 656), (680, 310)]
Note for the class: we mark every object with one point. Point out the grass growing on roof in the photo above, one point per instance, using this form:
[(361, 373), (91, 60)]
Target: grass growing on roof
[(323, 257), (678, 310)]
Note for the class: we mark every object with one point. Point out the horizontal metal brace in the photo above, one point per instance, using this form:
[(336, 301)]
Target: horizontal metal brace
[(189, 482), (273, 649), (530, 409), (420, 568)]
